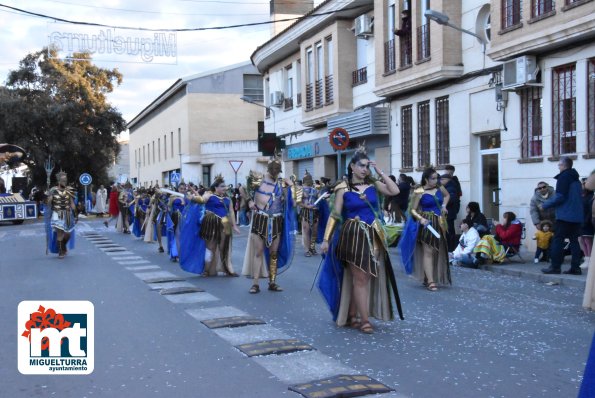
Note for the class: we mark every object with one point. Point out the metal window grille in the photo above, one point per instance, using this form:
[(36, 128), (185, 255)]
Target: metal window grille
[(564, 110), (407, 137), (359, 76), (423, 134), (442, 132), (423, 42), (511, 13), (405, 51), (318, 97), (540, 7), (309, 97), (328, 89), (389, 56), (531, 122), (591, 106), (299, 99)]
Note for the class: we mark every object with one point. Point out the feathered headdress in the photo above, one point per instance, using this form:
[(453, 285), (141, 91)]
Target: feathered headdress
[(218, 180), (361, 148)]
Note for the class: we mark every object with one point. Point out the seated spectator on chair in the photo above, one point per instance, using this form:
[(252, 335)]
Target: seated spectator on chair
[(477, 219), (463, 253), (509, 233)]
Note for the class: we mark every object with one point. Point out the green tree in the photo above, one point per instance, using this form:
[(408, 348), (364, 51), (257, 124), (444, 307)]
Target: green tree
[(58, 107)]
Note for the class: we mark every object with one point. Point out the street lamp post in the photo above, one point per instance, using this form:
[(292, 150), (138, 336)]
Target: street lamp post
[(442, 19)]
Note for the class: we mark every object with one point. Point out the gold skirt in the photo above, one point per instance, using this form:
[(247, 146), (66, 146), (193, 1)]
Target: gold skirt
[(213, 227), (260, 227), (309, 216), (357, 243)]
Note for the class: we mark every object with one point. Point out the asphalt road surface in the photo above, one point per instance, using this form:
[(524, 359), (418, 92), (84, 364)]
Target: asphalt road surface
[(487, 335)]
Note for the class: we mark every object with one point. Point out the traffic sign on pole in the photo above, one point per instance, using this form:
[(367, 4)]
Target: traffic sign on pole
[(236, 164), (85, 179), (339, 139), (174, 177)]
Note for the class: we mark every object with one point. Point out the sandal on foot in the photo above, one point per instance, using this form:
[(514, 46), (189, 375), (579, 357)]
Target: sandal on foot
[(274, 287), (254, 289), (308, 254), (432, 287), (354, 323), (366, 328)]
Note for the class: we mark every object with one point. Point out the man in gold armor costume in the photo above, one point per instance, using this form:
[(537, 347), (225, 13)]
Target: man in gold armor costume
[(270, 220), (62, 220)]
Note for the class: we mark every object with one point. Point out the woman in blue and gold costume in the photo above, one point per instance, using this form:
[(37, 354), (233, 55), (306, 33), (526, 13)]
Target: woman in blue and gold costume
[(357, 279), (173, 224), (423, 243), (206, 235)]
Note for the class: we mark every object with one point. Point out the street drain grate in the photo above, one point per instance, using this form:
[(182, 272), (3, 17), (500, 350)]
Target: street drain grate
[(341, 386), (232, 322), (270, 347), (180, 290), (163, 279)]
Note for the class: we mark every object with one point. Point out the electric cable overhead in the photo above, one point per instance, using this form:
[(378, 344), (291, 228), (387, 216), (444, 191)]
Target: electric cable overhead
[(177, 29)]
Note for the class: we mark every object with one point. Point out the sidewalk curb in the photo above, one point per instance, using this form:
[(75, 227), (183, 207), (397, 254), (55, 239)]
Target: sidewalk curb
[(562, 280)]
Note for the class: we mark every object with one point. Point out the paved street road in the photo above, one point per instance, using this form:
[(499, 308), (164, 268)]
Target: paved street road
[(488, 335)]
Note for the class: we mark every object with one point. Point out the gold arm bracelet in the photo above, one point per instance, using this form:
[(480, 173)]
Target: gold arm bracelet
[(416, 214), (198, 199), (330, 228)]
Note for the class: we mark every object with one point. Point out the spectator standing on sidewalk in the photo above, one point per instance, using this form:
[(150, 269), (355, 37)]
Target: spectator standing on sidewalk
[(542, 193), (453, 186), (568, 205), (589, 297)]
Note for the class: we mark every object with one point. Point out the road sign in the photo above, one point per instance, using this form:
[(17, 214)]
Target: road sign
[(174, 177), (86, 179), (339, 139), (236, 164)]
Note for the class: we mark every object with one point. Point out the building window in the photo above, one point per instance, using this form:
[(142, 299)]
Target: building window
[(153, 152), (360, 75), (206, 176), (407, 137), (423, 134), (442, 132), (288, 97), (148, 154), (591, 106), (309, 79), (165, 146), (389, 44), (328, 79), (423, 42), (159, 149), (298, 81), (564, 110), (541, 7), (253, 88), (404, 34), (318, 98), (172, 143), (511, 13), (531, 127), (144, 162), (179, 141)]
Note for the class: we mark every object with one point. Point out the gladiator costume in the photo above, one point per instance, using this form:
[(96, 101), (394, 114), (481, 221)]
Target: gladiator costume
[(61, 221), (307, 196)]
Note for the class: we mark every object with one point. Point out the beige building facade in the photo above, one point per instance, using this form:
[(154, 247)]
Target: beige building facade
[(200, 128), (501, 102)]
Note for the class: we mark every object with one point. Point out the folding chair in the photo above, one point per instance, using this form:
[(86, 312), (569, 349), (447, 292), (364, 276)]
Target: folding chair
[(512, 252)]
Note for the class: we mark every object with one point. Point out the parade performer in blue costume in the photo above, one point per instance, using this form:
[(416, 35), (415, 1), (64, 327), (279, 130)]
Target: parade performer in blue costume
[(141, 207), (176, 208), (423, 242), (60, 218), (357, 279), (126, 206), (272, 226), (159, 218), (306, 197)]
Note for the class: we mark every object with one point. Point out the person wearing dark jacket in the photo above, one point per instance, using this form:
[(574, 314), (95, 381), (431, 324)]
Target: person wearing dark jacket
[(453, 186), (477, 219), (569, 217), (542, 193)]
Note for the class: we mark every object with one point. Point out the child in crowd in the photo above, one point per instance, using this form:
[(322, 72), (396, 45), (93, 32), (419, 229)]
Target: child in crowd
[(543, 236)]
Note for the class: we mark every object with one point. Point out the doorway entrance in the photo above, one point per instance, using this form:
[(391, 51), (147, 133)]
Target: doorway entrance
[(490, 175)]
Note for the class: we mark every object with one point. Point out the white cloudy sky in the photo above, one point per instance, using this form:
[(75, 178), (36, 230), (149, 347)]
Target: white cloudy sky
[(198, 52)]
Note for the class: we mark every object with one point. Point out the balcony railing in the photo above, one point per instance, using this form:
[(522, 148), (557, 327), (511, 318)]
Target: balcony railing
[(423, 42), (389, 56), (287, 104), (405, 51), (318, 100), (309, 97), (328, 89), (299, 99), (267, 112), (359, 76)]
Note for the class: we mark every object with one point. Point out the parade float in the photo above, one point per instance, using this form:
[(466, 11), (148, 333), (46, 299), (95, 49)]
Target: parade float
[(13, 206)]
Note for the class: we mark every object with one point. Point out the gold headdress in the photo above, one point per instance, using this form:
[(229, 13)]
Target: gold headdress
[(218, 180), (60, 174), (307, 179), (361, 149), (276, 158)]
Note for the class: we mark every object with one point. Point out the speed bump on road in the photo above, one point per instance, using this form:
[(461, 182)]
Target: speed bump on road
[(271, 347), (180, 290), (232, 322), (341, 386)]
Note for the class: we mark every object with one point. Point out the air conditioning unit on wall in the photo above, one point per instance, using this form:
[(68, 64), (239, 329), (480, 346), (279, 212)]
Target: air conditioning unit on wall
[(276, 98), (519, 72), (363, 26)]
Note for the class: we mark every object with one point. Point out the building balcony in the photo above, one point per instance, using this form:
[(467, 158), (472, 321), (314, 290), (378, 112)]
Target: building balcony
[(389, 57), (539, 26), (359, 76)]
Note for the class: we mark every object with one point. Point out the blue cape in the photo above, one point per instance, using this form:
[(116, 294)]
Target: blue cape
[(192, 247), (324, 213), (331, 276), (52, 236), (407, 244)]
